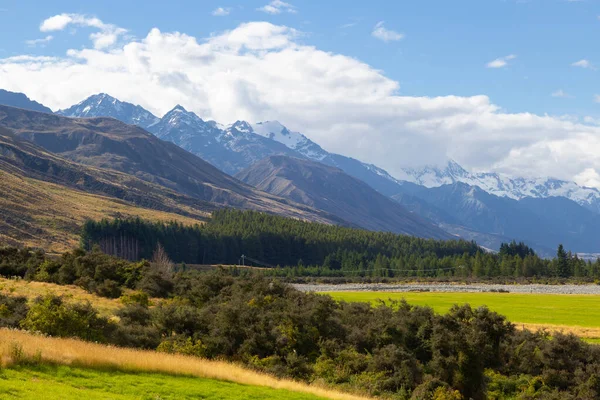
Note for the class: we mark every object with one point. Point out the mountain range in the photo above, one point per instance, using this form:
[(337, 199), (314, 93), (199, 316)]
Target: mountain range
[(104, 156), (503, 185), (487, 207)]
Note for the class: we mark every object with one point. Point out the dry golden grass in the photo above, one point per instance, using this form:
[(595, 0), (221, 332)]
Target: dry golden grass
[(581, 331), (31, 290), (49, 216), (90, 355)]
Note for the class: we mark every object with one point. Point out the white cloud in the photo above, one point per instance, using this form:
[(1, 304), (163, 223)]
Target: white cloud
[(41, 41), (501, 62), (382, 33), (583, 64), (108, 35), (56, 23), (278, 7), (597, 98), (221, 11), (260, 71), (561, 93)]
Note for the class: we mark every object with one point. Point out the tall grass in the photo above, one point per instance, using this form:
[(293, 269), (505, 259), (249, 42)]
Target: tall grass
[(90, 355)]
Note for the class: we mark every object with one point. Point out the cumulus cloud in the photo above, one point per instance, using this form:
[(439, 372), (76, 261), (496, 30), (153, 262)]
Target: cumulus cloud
[(221, 11), (260, 71), (278, 7), (387, 35), (107, 36), (597, 98), (39, 42), (583, 64), (501, 62)]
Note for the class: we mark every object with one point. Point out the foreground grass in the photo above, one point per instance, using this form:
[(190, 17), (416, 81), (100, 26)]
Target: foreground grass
[(579, 314), (78, 354), (62, 382)]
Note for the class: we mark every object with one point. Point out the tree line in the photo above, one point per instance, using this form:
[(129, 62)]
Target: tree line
[(310, 249)]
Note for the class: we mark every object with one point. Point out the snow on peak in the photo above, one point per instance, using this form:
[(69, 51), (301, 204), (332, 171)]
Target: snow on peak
[(503, 185), (242, 126), (104, 105), (274, 130)]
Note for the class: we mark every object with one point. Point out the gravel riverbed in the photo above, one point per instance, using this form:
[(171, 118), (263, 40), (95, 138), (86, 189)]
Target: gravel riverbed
[(449, 288)]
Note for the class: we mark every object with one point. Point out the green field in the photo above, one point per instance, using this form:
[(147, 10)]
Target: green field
[(570, 310), (64, 383)]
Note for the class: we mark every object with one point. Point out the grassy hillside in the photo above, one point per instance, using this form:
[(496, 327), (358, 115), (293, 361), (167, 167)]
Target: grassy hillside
[(31, 290), (47, 215), (131, 373)]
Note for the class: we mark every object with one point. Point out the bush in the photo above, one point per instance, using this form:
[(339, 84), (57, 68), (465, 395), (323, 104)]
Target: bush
[(12, 311), (52, 316), (109, 288)]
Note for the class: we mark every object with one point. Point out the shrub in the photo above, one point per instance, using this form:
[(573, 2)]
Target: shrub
[(12, 311), (52, 316)]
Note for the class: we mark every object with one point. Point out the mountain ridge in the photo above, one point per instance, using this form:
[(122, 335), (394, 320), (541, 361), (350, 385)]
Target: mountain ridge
[(332, 190)]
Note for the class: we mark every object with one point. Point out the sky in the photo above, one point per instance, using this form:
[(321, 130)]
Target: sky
[(498, 85)]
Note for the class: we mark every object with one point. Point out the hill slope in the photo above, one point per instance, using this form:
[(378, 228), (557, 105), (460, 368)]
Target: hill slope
[(331, 190), (45, 199), (110, 144), (20, 100)]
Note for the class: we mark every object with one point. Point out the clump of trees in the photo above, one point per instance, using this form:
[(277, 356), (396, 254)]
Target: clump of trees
[(311, 249), (93, 270), (390, 350)]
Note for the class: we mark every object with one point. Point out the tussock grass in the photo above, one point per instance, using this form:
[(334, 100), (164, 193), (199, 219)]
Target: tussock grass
[(31, 290), (49, 216), (81, 354)]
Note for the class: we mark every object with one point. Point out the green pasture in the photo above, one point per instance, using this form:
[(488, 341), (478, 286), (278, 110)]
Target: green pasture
[(66, 383), (572, 310)]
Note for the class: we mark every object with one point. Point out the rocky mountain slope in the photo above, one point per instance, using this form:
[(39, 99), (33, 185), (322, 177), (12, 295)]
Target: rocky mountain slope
[(20, 100), (103, 105), (332, 190), (45, 198)]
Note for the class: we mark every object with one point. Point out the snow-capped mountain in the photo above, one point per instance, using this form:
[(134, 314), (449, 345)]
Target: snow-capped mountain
[(376, 177), (293, 140), (103, 105), (503, 185), (230, 148)]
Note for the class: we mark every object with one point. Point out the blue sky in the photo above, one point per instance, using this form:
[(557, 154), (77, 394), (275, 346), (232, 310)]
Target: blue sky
[(502, 85), (444, 51)]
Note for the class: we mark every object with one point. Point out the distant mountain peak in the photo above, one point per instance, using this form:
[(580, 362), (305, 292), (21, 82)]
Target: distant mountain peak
[(179, 108), (104, 105), (242, 126)]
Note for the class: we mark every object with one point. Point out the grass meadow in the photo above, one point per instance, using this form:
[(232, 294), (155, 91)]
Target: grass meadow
[(63, 382), (579, 314)]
